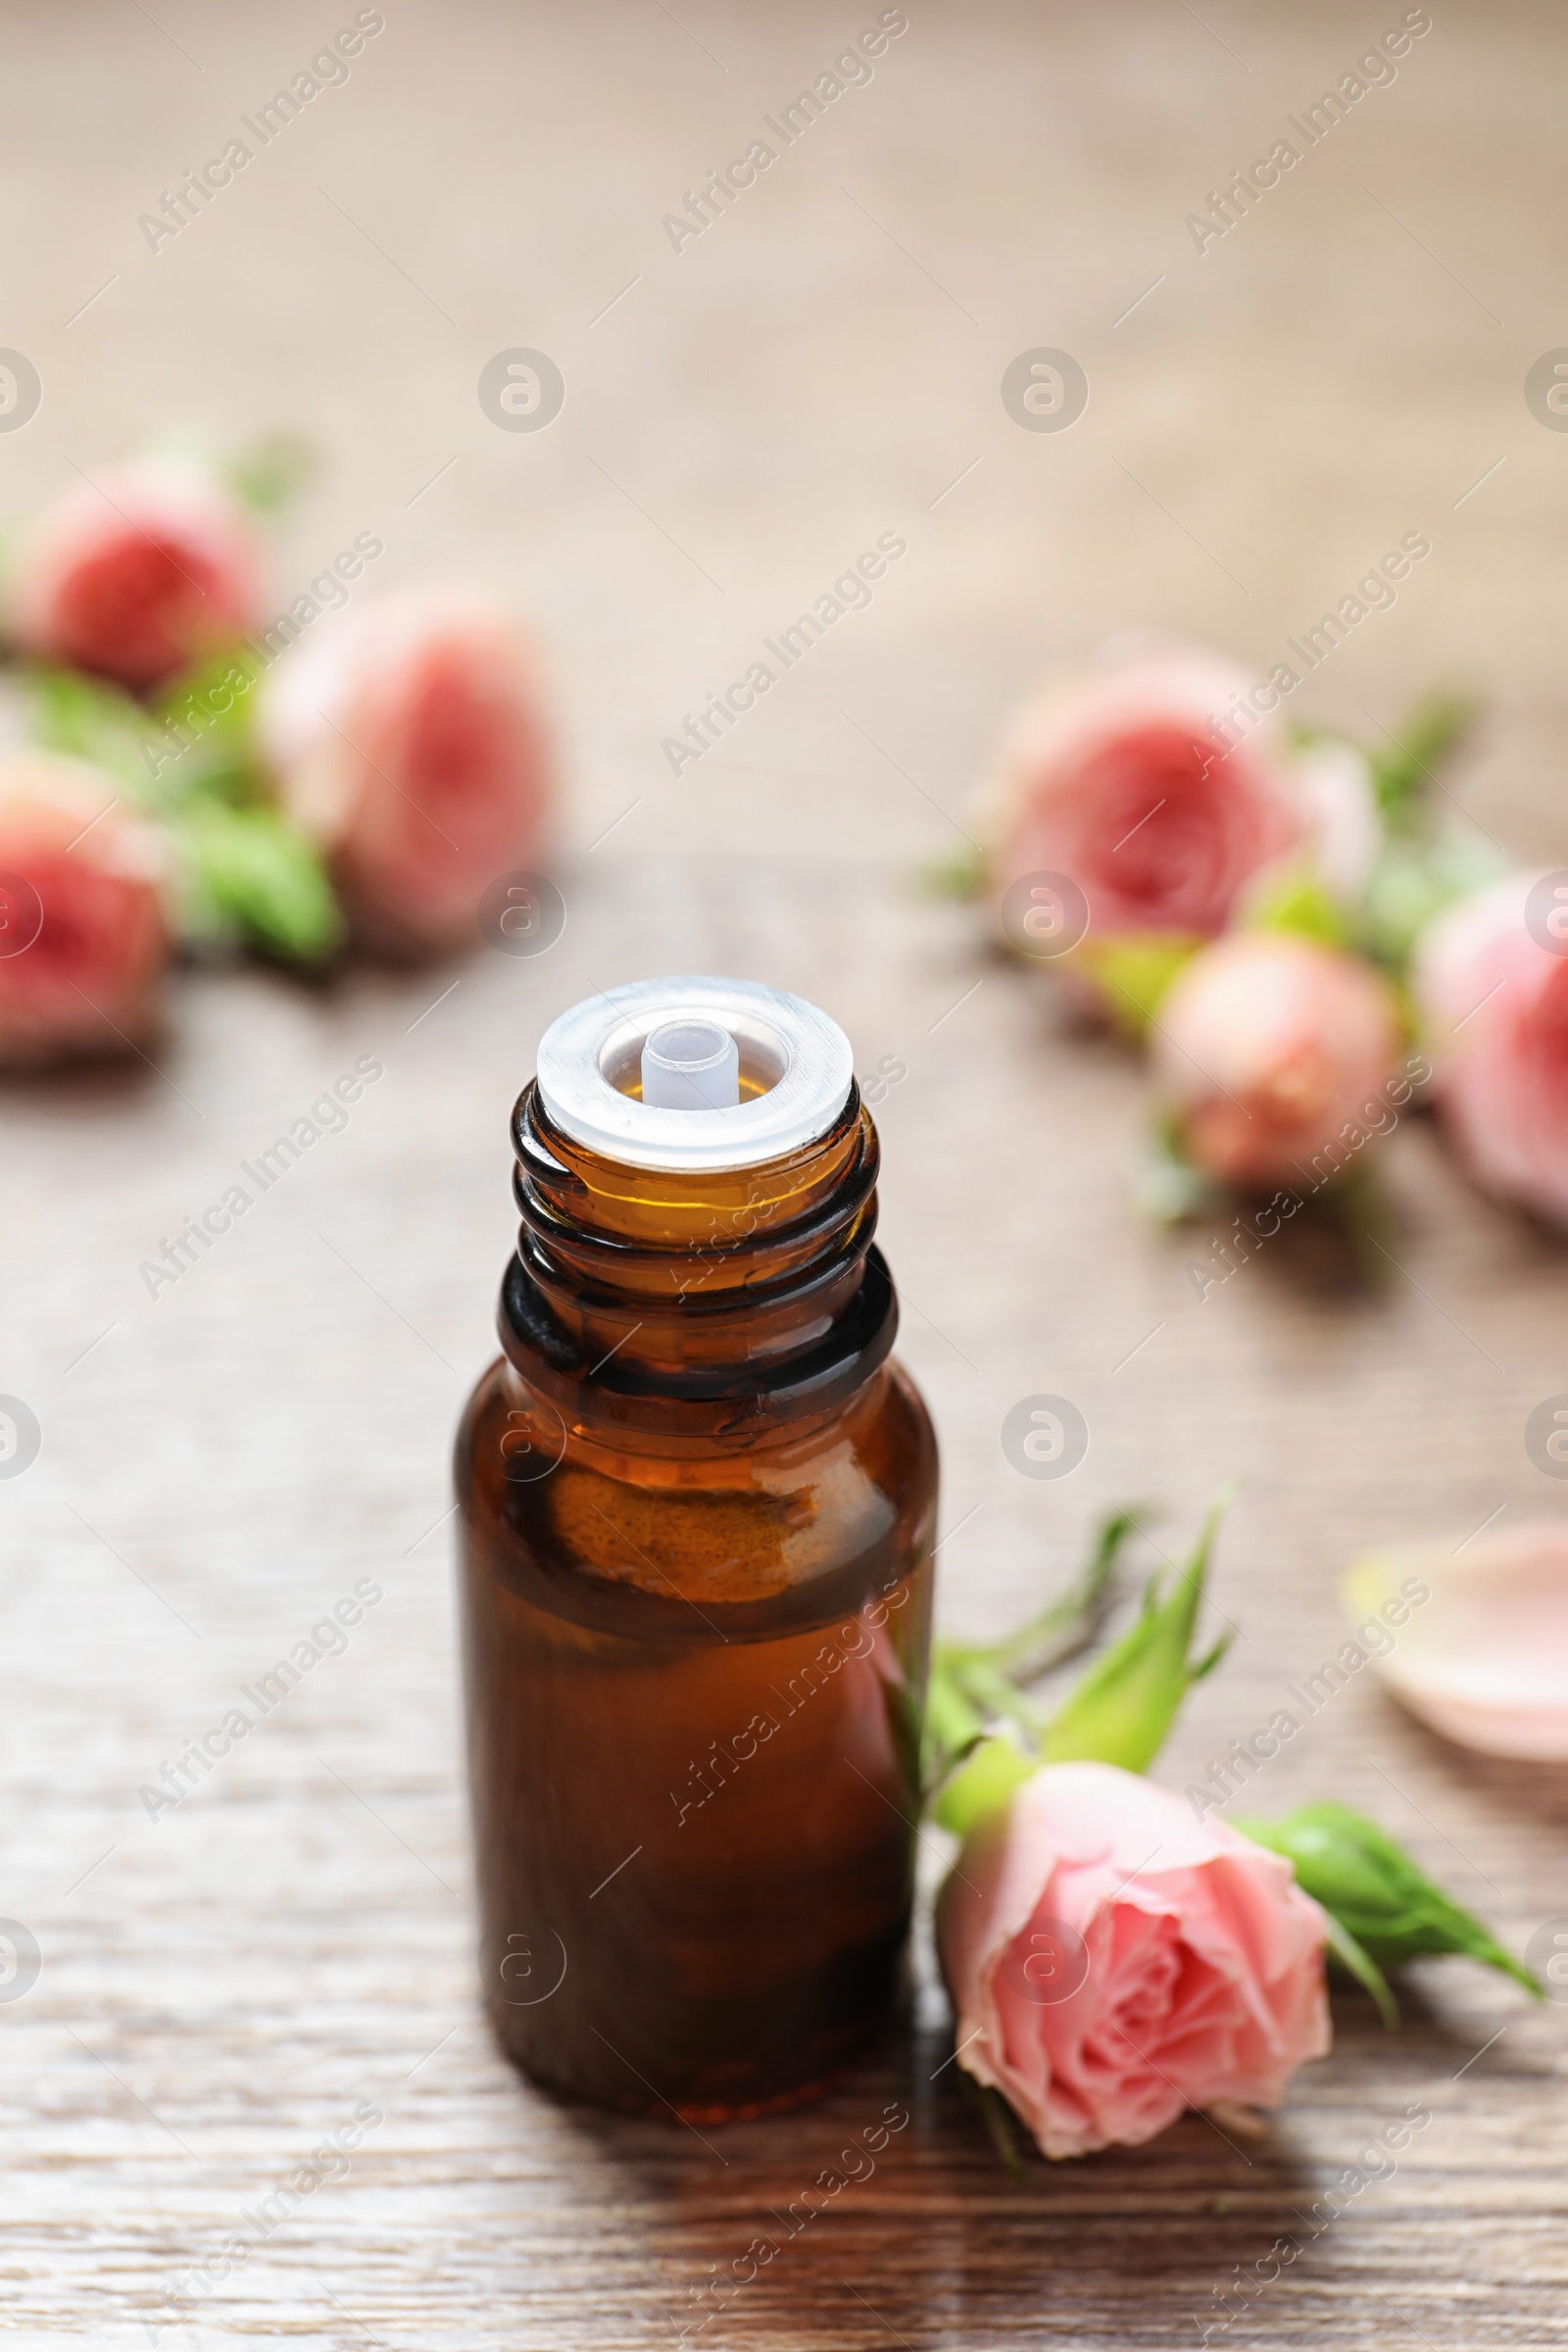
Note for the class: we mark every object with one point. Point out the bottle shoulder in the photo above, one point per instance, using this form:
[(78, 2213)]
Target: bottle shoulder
[(816, 1518)]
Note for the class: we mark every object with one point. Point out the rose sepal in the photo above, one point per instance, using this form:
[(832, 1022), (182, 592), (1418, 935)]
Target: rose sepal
[(1123, 1708), (1366, 1880)]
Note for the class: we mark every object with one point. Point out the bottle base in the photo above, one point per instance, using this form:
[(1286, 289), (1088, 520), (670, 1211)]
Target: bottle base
[(695, 2108)]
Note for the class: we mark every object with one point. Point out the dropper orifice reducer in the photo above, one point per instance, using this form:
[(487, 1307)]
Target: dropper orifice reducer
[(696, 1501)]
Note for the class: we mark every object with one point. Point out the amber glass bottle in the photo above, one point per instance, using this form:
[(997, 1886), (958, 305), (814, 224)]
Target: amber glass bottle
[(697, 1502)]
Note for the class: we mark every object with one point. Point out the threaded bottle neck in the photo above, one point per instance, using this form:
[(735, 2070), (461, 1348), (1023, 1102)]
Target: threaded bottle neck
[(690, 1302)]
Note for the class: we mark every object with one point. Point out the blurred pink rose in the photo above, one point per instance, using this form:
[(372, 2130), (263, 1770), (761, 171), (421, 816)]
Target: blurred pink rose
[(411, 742), (84, 940), (1113, 1961), (136, 577), (1137, 785), (1494, 1000), (1272, 1051)]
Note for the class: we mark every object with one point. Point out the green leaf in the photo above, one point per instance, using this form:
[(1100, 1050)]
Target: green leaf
[(205, 723), (86, 718), (1170, 1187), (952, 1727), (1357, 1961), (1401, 774), (1353, 1203), (996, 1698), (963, 875), (197, 741), (1415, 879), (250, 874), (973, 1684), (1071, 1623), (1124, 1708), (998, 2118), (1133, 972), (1298, 903), (269, 474), (1367, 1881), (253, 875)]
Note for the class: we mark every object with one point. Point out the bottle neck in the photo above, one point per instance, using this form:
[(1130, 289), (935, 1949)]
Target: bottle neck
[(716, 1305)]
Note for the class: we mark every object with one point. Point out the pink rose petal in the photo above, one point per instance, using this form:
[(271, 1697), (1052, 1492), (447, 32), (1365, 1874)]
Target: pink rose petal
[(1484, 1659)]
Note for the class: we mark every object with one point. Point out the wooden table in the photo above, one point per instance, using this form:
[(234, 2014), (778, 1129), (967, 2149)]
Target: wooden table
[(225, 1986)]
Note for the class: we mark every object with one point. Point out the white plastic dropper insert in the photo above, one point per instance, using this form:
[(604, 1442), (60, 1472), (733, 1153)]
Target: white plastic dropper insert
[(691, 1065), (732, 1073)]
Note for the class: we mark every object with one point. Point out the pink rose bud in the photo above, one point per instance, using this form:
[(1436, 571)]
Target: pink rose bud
[(137, 575), (1275, 1055), (1160, 803), (1491, 980), (409, 741), (84, 940), (1113, 1960)]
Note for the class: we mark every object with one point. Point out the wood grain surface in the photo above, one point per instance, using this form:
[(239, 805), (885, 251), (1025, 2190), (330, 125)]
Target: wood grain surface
[(225, 1986)]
